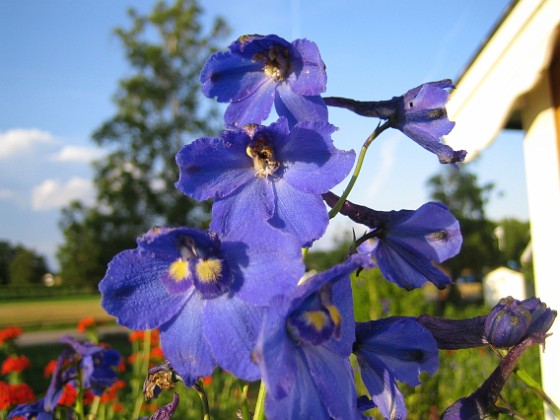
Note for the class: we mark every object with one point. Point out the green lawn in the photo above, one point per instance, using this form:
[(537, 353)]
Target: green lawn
[(41, 313)]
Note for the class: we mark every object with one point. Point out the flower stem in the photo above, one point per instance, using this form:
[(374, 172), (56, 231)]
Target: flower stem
[(336, 208), (259, 406), (146, 345), (199, 387), (244, 405)]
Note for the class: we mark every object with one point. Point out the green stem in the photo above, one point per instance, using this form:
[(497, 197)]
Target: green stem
[(94, 408), (244, 402), (259, 406), (199, 387), (537, 389), (336, 208), (145, 357)]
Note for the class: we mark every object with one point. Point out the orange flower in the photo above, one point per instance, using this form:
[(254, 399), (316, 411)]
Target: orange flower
[(85, 323), (207, 380), (111, 393), (157, 353), (118, 408), (15, 364), (136, 336)]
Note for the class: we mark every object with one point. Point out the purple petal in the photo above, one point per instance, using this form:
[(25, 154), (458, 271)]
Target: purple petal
[(253, 109), (407, 268), (431, 230), (276, 349), (301, 214), (167, 411), (402, 344), (342, 299), (230, 77), (383, 388), (312, 162), (298, 108), (334, 381), (184, 345), (231, 328), (239, 211), (211, 167), (133, 292), (267, 272), (302, 402), (311, 80)]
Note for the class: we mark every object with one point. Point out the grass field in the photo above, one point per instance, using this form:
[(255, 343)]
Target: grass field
[(52, 312)]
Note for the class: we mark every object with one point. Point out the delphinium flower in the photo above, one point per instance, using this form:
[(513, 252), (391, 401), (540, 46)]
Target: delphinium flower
[(31, 411), (391, 349), (509, 322), (420, 114), (304, 347), (90, 365), (266, 173), (259, 71), (404, 243), (204, 291)]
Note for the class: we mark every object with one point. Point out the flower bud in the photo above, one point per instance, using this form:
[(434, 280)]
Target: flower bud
[(507, 323)]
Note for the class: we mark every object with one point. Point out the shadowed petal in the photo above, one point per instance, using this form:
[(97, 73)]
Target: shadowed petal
[(231, 327), (184, 345)]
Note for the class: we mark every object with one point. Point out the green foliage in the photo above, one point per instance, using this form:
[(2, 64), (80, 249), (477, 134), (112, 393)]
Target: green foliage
[(20, 266), (459, 189), (158, 110)]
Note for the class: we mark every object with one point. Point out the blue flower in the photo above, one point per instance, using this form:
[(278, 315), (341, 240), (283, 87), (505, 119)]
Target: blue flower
[(304, 347), (266, 173), (35, 411), (205, 292), (404, 243), (95, 364), (511, 320), (420, 114), (391, 349), (258, 71)]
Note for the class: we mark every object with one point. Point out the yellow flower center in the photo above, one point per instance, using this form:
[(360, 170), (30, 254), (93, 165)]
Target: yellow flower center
[(209, 271), (179, 270)]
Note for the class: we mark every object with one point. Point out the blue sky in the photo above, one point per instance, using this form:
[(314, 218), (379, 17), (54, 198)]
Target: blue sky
[(60, 65)]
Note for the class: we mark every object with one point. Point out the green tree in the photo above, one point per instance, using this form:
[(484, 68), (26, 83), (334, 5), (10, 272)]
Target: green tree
[(461, 191), (26, 267), (7, 253), (158, 110)]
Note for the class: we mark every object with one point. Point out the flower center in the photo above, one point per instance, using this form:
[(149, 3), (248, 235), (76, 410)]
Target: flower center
[(262, 154), (276, 62)]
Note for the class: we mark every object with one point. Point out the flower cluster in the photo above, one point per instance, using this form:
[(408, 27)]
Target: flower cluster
[(235, 296)]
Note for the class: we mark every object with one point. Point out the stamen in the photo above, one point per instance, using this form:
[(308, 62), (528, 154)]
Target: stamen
[(209, 271), (179, 270), (262, 154)]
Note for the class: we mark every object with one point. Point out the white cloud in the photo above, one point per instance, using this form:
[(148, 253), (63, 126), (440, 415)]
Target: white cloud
[(52, 194), (77, 154), (19, 141)]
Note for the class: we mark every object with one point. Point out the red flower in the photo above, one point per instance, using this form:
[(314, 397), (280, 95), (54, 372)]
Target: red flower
[(111, 393), (10, 333), (21, 394), (15, 364), (5, 399), (69, 395), (85, 323), (49, 368)]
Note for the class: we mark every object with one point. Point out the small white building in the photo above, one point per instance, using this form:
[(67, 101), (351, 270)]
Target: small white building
[(513, 81), (503, 282)]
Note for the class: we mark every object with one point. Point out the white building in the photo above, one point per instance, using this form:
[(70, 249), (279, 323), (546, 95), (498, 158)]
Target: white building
[(514, 81)]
